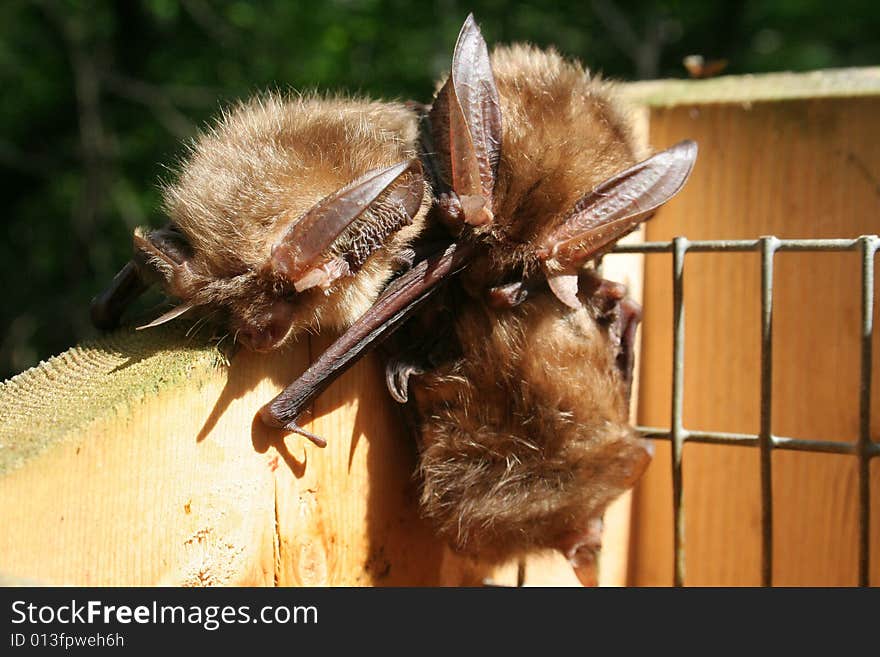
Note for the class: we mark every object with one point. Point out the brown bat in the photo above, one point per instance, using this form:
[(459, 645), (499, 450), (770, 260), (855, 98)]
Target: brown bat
[(288, 214), (522, 411), (520, 390), (517, 375)]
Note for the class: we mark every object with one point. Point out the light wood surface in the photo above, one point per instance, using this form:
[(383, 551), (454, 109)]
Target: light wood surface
[(794, 169), (763, 87), (138, 461)]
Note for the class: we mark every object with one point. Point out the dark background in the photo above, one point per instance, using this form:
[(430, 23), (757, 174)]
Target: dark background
[(97, 98)]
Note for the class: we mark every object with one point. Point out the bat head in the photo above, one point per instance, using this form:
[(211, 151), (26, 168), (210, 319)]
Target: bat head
[(564, 133), (536, 161), (285, 214)]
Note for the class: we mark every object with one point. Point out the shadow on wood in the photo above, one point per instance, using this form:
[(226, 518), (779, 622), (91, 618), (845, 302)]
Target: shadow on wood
[(138, 460)]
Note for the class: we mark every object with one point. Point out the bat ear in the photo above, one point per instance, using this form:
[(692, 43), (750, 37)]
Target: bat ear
[(165, 254), (466, 126), (304, 255), (613, 209), (107, 307)]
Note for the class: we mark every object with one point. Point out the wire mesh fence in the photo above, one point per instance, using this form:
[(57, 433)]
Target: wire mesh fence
[(863, 449)]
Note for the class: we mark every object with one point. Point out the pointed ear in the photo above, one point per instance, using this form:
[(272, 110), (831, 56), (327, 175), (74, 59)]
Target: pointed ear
[(613, 209), (466, 126), (165, 254), (617, 206), (303, 254)]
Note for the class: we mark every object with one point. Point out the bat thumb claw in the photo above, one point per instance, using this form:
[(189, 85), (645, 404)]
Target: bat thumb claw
[(295, 428), (271, 419)]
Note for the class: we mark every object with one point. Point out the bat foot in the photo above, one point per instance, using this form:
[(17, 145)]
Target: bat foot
[(397, 374), (582, 549)]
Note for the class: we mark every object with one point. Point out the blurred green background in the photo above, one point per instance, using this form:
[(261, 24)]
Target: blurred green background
[(99, 96)]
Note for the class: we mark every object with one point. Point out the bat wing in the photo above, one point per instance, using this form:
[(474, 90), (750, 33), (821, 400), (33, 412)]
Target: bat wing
[(303, 255), (466, 126), (403, 296), (610, 211), (465, 130)]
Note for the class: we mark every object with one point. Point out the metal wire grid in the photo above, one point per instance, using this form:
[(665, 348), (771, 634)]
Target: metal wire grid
[(864, 448)]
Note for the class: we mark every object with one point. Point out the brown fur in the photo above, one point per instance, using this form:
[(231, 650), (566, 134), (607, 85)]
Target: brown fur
[(564, 132), (525, 436), (522, 414), (259, 168)]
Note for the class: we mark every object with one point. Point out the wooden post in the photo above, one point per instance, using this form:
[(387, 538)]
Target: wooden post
[(137, 460), (796, 156)]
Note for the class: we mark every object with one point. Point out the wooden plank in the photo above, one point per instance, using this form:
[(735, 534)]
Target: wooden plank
[(795, 169), (114, 487), (745, 89), (138, 461)]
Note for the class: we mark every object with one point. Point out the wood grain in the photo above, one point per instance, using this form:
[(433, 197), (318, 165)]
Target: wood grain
[(138, 461), (794, 169)]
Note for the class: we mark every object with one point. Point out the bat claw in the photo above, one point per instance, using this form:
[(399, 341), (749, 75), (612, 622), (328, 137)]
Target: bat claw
[(397, 374), (295, 428), (270, 419)]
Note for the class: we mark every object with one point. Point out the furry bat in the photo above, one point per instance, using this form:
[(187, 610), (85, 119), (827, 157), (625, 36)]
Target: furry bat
[(516, 376), (288, 214), (521, 411)]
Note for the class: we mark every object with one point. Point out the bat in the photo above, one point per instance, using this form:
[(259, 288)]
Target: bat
[(521, 412), (288, 214), (512, 356)]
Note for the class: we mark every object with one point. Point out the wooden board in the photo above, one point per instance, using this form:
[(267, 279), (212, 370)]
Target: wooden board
[(138, 461), (794, 169)]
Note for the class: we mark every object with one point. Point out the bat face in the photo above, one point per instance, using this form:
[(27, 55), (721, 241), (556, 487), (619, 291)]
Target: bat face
[(287, 215)]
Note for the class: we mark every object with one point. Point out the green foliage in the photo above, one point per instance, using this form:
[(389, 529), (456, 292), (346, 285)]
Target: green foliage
[(99, 96)]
